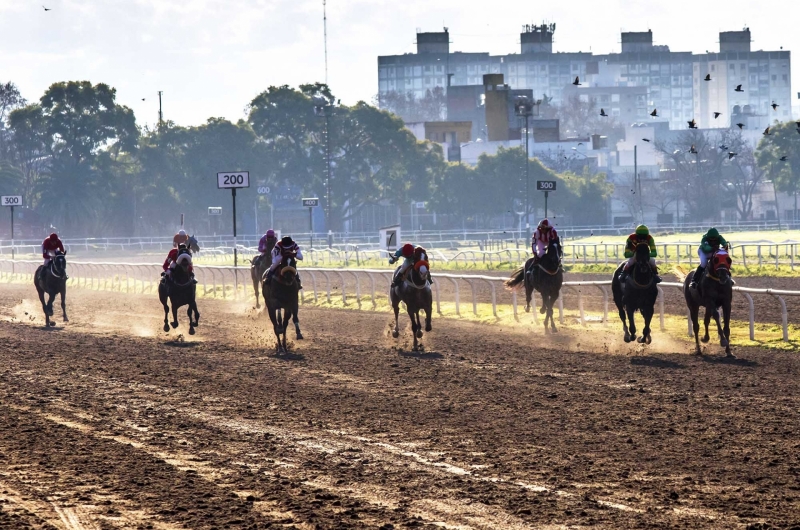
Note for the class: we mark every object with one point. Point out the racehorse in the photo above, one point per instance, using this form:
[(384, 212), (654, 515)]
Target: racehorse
[(194, 246), (51, 280), (180, 291), (258, 267), (281, 293), (415, 292), (545, 277), (638, 293), (714, 290)]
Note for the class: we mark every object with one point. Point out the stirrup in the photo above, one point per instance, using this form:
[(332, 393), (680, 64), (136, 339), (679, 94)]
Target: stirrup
[(693, 285), (658, 279)]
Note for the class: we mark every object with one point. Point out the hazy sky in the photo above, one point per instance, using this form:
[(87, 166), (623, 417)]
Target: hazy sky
[(211, 57)]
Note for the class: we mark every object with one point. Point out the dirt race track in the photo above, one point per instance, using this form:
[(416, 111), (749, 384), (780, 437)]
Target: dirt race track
[(108, 422)]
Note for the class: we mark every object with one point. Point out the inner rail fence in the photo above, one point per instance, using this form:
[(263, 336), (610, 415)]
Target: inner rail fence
[(361, 286)]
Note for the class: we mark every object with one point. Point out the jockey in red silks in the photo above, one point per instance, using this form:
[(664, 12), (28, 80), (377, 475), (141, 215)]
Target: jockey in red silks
[(49, 247), (176, 256), (411, 255), (285, 248), (179, 238), (541, 239)]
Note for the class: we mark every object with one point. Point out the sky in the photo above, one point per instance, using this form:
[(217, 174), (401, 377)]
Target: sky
[(211, 57)]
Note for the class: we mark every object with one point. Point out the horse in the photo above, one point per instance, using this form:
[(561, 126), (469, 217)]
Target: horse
[(52, 279), (180, 291), (546, 277), (194, 246), (714, 290), (639, 292), (281, 293), (415, 292), (258, 267)]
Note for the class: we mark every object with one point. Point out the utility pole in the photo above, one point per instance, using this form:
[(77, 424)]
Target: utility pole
[(325, 32), (524, 108), (324, 109), (160, 113)]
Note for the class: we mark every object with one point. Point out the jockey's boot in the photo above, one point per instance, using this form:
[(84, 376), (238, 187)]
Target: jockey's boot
[(623, 276), (299, 285), (697, 274), (430, 280), (658, 277)]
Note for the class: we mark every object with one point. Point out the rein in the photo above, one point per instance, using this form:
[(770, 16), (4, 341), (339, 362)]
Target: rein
[(637, 284), (553, 273)]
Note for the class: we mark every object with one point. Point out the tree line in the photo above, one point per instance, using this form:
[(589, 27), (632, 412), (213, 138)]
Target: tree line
[(85, 167)]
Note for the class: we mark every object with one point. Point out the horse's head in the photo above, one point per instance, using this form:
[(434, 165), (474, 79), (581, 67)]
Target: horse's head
[(193, 244), (642, 259), (60, 263), (721, 266), (288, 274), (420, 274), (183, 261), (551, 258)]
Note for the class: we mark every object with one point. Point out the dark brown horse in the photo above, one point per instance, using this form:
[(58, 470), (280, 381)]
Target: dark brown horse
[(281, 295), (179, 291), (714, 290), (258, 268), (639, 292), (546, 277), (415, 293), (52, 280)]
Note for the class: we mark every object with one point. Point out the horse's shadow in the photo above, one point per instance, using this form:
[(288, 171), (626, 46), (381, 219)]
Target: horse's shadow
[(288, 356), (655, 362), (429, 356), (733, 361), (181, 344)]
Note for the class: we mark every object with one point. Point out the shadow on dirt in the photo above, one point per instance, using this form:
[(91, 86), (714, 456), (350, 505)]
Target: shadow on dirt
[(655, 362), (289, 356), (181, 344), (421, 355), (734, 361)]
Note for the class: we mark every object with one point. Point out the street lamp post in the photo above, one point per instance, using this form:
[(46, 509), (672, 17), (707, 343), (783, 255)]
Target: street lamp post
[(323, 108), (524, 109)]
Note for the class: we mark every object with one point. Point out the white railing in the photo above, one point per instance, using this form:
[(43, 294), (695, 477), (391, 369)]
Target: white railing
[(143, 278)]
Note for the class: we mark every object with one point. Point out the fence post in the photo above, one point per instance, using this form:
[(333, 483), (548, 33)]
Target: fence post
[(436, 289), (514, 303), (458, 295), (752, 314), (605, 303), (661, 307), (784, 317), (344, 296), (560, 309), (494, 298), (328, 280)]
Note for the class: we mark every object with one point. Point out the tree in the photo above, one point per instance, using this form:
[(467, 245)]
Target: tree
[(581, 119), (10, 99), (783, 141), (431, 107)]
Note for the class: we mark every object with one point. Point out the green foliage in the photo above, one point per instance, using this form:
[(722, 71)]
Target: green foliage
[(783, 141)]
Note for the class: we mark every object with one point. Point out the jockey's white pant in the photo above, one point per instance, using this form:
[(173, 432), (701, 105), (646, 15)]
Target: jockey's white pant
[(49, 258), (704, 257), (539, 248), (632, 260)]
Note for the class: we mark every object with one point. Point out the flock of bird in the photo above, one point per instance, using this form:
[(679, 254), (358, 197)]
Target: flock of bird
[(693, 122)]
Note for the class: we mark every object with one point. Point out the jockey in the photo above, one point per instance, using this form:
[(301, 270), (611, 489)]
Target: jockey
[(49, 247), (712, 241), (179, 238), (410, 255), (173, 258), (541, 239), (267, 242), (285, 248), (641, 235)]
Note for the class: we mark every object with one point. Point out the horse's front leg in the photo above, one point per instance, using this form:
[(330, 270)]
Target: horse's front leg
[(550, 315), (191, 321), (174, 315), (64, 303), (623, 317), (647, 315), (396, 330), (726, 317), (631, 325), (720, 333), (255, 291), (428, 311), (706, 321), (414, 329), (528, 292), (166, 317), (296, 321)]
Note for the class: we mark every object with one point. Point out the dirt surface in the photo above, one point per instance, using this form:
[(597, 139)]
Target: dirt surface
[(107, 422)]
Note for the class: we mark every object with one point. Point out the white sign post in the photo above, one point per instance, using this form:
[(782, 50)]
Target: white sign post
[(11, 201), (233, 180)]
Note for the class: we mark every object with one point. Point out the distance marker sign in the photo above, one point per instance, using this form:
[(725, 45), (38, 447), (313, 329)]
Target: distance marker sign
[(233, 179), (11, 200), (546, 185), (311, 202)]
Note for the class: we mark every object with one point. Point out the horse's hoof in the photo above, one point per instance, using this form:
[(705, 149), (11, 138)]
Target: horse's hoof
[(191, 331), (52, 324), (174, 325), (428, 327), (698, 352), (648, 340), (419, 334), (627, 337), (543, 310), (704, 339), (66, 320), (729, 355), (723, 342), (554, 330), (395, 334), (527, 309), (299, 336), (166, 328), (641, 340)]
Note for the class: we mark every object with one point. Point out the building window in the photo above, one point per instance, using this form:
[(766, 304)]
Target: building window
[(417, 70), (614, 99)]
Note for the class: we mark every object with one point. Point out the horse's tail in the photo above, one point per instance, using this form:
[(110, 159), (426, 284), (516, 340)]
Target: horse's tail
[(680, 272), (517, 277)]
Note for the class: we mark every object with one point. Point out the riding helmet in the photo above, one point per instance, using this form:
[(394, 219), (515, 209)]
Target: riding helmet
[(544, 224), (642, 230), (182, 232), (713, 233), (270, 233), (53, 237), (287, 241), (408, 250)]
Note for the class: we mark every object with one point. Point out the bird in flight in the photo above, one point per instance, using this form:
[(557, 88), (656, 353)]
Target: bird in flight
[(766, 132), (783, 158), (692, 124), (731, 155), (717, 115), (723, 147), (654, 113), (738, 88), (577, 81), (645, 139), (707, 78), (603, 113), (740, 125), (46, 8), (693, 150), (774, 106)]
